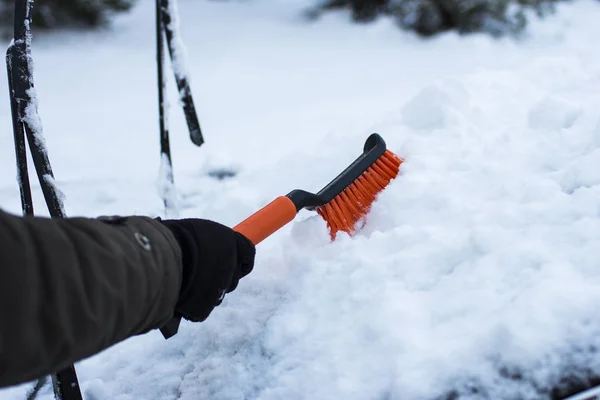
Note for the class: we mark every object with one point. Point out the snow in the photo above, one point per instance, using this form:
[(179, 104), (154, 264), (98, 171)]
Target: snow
[(179, 53), (477, 269), (167, 190)]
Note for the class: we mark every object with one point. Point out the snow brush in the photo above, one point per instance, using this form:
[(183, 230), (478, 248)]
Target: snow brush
[(342, 203)]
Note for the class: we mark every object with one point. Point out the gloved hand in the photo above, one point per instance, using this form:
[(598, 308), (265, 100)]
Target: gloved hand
[(215, 258)]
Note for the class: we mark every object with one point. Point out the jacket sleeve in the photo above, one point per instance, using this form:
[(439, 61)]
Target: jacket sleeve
[(70, 288)]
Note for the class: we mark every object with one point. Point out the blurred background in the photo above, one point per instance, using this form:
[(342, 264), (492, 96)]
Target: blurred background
[(425, 17)]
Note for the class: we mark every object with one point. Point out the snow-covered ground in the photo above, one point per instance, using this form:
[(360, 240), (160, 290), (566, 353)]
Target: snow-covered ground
[(478, 269)]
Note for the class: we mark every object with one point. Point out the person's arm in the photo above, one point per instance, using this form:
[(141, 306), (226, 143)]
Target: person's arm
[(71, 288)]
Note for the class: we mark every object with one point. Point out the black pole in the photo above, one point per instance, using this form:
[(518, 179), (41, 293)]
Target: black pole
[(26, 124), (165, 145), (19, 138), (183, 85)]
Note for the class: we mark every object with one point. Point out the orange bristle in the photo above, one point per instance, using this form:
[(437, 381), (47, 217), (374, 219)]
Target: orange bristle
[(351, 205)]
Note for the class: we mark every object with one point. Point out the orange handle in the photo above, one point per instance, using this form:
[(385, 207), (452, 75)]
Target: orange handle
[(267, 220)]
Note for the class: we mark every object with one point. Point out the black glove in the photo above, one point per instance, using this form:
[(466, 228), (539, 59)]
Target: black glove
[(215, 258)]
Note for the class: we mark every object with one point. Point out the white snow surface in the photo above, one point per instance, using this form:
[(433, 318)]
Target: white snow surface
[(480, 262)]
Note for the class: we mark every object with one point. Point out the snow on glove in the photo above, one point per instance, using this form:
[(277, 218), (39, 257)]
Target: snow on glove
[(215, 258)]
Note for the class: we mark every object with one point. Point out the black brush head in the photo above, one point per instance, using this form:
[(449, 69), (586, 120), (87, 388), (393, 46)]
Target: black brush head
[(373, 149)]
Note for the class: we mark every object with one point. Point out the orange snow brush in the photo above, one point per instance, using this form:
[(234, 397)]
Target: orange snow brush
[(342, 203)]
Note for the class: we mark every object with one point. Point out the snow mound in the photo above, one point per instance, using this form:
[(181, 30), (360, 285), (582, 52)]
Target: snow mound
[(434, 106), (553, 113), (476, 275)]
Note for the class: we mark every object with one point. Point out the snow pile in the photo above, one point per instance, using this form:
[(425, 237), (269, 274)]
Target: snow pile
[(493, 238), (476, 275)]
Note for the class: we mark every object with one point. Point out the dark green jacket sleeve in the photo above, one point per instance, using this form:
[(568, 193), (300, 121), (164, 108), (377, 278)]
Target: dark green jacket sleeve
[(71, 288)]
